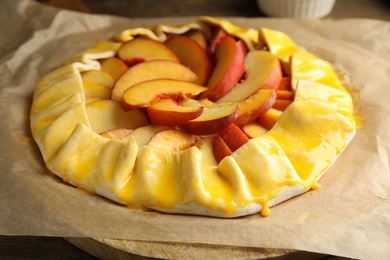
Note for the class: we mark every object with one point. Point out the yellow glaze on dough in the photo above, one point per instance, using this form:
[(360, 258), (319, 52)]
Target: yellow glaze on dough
[(95, 163), (311, 135), (278, 43), (286, 161), (306, 66)]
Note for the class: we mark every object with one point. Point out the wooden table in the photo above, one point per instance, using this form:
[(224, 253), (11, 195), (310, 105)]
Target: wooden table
[(54, 247)]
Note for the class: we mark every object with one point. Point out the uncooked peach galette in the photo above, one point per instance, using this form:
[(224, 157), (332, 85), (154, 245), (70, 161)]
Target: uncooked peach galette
[(205, 118)]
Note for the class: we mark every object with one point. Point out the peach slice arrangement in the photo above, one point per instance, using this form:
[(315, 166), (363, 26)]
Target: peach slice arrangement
[(200, 86), (205, 118)]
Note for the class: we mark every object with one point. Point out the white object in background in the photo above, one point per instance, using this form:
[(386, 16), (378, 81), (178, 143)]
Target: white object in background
[(296, 8)]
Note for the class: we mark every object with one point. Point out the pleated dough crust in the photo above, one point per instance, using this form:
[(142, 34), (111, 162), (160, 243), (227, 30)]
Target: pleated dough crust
[(73, 151)]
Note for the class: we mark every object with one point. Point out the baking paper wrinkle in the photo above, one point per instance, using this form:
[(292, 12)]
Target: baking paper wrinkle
[(350, 210)]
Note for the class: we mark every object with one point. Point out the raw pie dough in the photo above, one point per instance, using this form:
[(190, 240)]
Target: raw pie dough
[(284, 162)]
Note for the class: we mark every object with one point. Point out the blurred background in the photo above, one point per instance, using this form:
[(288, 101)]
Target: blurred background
[(374, 9)]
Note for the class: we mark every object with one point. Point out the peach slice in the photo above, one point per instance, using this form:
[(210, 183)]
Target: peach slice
[(262, 70), (113, 66), (217, 38), (171, 112), (220, 149), (269, 118), (214, 118), (284, 94), (145, 93), (253, 129), (173, 140), (98, 76), (285, 84), (256, 105), (142, 49), (233, 136), (142, 135), (230, 57), (199, 37), (281, 104), (191, 55), (151, 70), (106, 114), (116, 133)]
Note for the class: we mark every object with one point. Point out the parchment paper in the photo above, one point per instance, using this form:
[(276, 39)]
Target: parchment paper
[(349, 216)]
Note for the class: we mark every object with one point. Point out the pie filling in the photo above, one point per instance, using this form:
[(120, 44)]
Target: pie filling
[(205, 118)]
